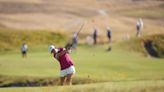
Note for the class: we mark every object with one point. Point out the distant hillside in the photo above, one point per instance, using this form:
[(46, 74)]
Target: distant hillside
[(69, 15)]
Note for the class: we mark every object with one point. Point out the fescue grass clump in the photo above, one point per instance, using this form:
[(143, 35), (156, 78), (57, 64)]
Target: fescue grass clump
[(156, 43), (13, 39)]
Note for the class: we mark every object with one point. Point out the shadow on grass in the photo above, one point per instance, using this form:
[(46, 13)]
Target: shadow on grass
[(150, 49)]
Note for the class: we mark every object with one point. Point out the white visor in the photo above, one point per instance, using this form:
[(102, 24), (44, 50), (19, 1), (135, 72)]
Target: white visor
[(51, 47)]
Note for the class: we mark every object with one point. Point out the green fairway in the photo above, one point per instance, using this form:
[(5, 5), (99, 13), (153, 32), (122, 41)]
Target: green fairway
[(119, 70), (92, 62)]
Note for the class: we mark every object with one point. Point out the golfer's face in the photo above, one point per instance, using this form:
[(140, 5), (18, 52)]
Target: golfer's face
[(53, 51)]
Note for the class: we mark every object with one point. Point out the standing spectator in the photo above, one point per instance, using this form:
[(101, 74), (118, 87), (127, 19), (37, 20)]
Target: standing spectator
[(95, 34), (139, 27), (24, 50), (109, 33)]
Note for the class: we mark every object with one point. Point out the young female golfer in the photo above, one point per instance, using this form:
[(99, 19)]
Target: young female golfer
[(66, 63)]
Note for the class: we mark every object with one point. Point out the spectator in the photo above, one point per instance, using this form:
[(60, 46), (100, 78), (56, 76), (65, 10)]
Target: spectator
[(24, 50), (95, 34)]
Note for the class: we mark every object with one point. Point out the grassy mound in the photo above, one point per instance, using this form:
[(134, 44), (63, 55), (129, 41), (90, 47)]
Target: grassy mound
[(149, 45), (27, 81), (13, 39)]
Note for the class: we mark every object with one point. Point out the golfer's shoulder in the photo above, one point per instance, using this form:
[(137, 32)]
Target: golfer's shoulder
[(61, 49)]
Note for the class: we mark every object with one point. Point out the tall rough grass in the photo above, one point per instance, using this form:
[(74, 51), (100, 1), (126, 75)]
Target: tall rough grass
[(138, 44), (12, 39)]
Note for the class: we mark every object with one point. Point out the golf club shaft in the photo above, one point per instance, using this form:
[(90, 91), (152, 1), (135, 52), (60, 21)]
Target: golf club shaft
[(80, 29)]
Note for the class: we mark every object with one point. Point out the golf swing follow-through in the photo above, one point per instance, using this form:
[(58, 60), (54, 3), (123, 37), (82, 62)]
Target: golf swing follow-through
[(74, 42), (66, 63)]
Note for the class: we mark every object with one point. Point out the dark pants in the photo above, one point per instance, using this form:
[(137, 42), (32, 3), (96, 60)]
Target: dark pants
[(24, 53)]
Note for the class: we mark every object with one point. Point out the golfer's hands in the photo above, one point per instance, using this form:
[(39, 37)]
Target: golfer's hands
[(68, 49)]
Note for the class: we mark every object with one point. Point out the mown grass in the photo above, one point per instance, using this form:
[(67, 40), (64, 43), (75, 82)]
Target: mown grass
[(91, 63)]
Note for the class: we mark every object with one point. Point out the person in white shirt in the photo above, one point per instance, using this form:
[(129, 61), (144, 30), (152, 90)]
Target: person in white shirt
[(139, 27), (24, 50)]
